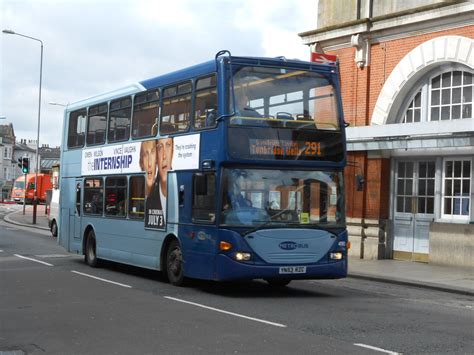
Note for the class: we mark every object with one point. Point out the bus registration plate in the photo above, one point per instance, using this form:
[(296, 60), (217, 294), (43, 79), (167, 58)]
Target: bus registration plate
[(293, 270)]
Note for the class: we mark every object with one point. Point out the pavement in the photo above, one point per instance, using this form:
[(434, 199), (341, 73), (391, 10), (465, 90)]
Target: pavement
[(437, 277), (26, 220)]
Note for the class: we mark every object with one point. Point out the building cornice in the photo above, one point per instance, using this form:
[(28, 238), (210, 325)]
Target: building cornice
[(420, 135), (427, 19)]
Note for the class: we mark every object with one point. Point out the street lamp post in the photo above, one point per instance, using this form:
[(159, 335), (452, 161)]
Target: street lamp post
[(35, 198), (2, 118)]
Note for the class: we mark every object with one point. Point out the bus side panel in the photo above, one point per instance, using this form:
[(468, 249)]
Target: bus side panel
[(199, 243), (126, 241)]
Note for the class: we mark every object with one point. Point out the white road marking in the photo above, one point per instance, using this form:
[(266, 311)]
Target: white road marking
[(226, 312), (377, 349), (37, 261), (101, 279)]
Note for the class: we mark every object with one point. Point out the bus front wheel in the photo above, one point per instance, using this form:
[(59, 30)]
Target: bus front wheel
[(90, 254), (174, 264)]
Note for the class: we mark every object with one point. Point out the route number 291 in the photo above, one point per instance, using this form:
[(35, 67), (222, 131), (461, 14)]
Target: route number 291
[(312, 148)]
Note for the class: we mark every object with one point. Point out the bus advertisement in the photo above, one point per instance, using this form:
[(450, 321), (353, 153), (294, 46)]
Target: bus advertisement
[(227, 170)]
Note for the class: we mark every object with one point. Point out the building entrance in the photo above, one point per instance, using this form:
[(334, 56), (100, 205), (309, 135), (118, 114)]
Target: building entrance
[(414, 209)]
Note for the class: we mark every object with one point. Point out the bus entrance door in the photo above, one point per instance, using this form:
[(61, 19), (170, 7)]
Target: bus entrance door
[(76, 215), (75, 219)]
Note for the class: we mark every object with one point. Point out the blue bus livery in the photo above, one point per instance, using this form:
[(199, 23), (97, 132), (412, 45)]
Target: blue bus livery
[(231, 169)]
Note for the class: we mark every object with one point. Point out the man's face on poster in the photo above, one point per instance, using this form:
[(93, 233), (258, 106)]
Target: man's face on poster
[(149, 162), (165, 155)]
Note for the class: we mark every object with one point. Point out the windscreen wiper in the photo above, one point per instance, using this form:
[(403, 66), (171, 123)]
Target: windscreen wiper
[(260, 226)]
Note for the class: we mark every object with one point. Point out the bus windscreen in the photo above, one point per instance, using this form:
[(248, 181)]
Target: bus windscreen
[(255, 197), (284, 98)]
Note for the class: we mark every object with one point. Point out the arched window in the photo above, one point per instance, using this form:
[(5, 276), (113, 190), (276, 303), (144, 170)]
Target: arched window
[(442, 94), (413, 112), (451, 96)]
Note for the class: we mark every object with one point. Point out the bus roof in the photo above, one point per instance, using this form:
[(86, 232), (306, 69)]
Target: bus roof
[(191, 72), (179, 75)]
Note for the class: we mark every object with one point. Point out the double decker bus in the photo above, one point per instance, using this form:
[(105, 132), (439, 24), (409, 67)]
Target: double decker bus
[(228, 170)]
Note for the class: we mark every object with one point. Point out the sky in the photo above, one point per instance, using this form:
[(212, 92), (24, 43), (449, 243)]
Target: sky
[(91, 47)]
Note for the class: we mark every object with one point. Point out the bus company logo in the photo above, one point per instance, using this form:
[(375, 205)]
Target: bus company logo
[(292, 245)]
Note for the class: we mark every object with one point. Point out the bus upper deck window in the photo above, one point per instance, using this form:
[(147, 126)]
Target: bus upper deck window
[(145, 114), (205, 98), (97, 124), (77, 129), (176, 109), (119, 120)]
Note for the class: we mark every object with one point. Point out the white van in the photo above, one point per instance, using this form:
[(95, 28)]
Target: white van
[(53, 216)]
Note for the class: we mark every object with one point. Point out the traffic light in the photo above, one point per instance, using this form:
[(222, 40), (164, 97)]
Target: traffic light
[(25, 165)]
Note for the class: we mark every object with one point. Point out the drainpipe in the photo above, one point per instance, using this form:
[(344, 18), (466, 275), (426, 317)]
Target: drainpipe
[(362, 62)]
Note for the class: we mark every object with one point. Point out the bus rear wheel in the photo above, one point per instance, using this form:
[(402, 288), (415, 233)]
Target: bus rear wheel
[(90, 256), (174, 264)]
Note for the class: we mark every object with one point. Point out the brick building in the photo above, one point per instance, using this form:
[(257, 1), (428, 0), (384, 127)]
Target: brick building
[(407, 80)]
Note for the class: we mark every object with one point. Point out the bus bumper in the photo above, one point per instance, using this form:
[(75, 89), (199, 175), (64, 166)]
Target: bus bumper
[(228, 269)]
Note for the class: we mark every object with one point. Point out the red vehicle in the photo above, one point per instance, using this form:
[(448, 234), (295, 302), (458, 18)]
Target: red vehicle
[(26, 191)]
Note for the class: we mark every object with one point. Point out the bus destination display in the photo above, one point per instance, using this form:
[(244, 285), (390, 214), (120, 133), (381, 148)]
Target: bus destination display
[(284, 148), (281, 144)]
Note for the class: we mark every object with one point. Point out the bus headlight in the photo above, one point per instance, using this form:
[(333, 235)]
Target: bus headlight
[(241, 256), (336, 256)]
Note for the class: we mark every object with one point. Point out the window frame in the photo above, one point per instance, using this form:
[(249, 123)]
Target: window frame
[(83, 111), (147, 100), (211, 220), (176, 95), (116, 187), (194, 100), (424, 84), (411, 107), (84, 199), (132, 215), (121, 108), (451, 87), (456, 217), (90, 114)]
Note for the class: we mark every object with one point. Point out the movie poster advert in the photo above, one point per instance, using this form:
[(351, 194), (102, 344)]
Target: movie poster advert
[(116, 159), (154, 157), (157, 157)]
